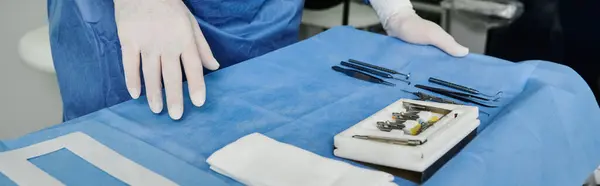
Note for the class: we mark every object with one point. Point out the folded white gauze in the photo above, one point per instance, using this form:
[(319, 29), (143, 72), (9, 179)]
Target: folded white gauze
[(257, 160)]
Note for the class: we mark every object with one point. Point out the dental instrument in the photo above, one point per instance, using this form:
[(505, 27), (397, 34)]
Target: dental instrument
[(455, 96), (361, 75), (389, 140), (427, 97), (461, 87), (378, 68), (453, 92), (372, 71)]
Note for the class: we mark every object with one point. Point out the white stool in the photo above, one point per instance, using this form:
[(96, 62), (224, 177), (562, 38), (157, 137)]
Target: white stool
[(34, 49), (34, 52)]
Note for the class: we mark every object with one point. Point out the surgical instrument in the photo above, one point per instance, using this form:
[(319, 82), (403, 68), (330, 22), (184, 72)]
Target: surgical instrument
[(388, 126), (372, 71), (412, 115), (383, 126), (362, 76), (419, 107), (378, 68), (426, 97), (455, 96), (452, 92), (390, 140), (460, 87)]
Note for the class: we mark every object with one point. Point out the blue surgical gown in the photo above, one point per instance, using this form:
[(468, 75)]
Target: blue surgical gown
[(86, 49)]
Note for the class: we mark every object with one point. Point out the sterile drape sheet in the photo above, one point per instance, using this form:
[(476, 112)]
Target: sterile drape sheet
[(545, 131)]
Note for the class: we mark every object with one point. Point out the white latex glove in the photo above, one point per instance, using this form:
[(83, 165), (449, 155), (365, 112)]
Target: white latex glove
[(162, 32), (400, 20)]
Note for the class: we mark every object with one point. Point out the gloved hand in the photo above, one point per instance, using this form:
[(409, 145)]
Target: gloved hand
[(161, 32), (400, 20)]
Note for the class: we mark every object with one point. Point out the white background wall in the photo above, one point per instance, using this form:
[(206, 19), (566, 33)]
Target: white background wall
[(29, 99)]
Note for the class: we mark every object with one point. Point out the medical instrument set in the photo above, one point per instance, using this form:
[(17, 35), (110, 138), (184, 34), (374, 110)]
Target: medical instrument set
[(415, 140), (364, 70), (411, 119), (411, 122), (419, 132), (367, 72)]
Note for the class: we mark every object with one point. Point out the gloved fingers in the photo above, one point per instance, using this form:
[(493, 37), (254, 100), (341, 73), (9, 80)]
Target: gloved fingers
[(131, 68), (171, 71), (208, 60), (192, 65), (445, 42), (152, 77)]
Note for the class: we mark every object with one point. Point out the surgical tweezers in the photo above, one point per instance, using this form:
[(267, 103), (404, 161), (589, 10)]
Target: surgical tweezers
[(452, 92), (378, 68), (453, 95), (426, 97), (460, 87), (372, 71), (361, 75)]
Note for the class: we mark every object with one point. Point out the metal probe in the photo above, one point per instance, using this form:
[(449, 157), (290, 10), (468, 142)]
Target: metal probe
[(378, 68), (460, 87), (452, 92), (455, 96), (371, 71), (390, 140), (361, 75), (427, 97)]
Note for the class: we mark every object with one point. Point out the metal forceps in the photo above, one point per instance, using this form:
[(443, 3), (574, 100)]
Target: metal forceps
[(463, 88), (426, 97)]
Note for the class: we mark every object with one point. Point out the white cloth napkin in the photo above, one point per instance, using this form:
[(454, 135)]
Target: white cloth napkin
[(257, 160)]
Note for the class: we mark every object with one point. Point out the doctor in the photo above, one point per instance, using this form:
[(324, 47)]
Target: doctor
[(99, 46)]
